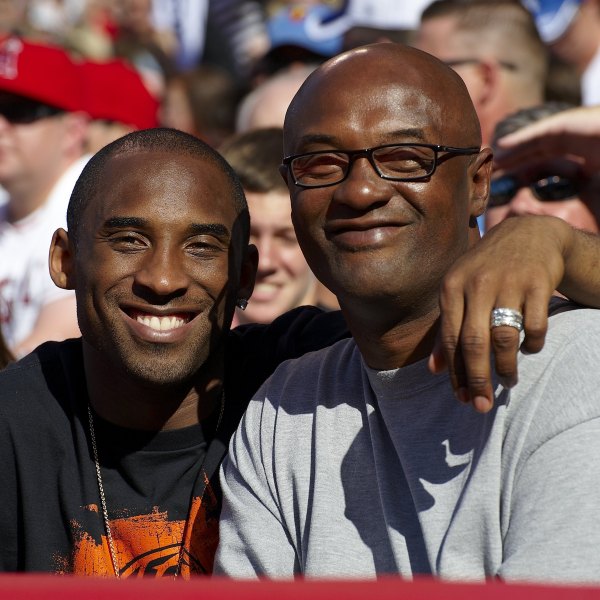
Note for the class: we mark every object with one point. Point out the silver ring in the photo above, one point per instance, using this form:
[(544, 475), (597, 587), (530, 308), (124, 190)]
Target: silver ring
[(506, 316)]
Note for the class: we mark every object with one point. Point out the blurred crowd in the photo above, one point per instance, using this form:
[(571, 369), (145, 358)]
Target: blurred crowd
[(77, 74)]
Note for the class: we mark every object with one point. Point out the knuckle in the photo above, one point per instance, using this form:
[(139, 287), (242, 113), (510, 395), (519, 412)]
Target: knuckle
[(477, 383), (449, 342), (472, 344), (505, 338), (505, 372), (535, 331)]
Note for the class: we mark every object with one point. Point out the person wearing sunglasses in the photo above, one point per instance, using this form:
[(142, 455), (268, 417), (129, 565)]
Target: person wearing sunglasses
[(557, 187), (42, 134)]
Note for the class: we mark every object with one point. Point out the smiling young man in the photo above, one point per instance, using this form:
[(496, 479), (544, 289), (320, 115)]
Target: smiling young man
[(111, 442), (355, 461)]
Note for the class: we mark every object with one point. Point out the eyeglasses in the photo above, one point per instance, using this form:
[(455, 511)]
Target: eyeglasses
[(23, 111), (397, 162), (549, 189)]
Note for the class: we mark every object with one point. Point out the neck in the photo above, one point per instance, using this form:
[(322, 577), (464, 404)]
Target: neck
[(127, 402), (26, 199), (387, 345)]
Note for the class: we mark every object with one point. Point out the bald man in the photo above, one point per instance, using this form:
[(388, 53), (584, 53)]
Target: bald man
[(355, 461)]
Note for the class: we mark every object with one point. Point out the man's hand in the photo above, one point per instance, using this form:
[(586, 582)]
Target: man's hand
[(518, 264)]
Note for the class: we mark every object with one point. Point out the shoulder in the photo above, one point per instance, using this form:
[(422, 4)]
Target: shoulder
[(559, 387), (320, 377), (53, 371), (255, 351)]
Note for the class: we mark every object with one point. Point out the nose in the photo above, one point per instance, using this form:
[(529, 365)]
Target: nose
[(162, 273), (267, 255), (363, 187), (525, 203)]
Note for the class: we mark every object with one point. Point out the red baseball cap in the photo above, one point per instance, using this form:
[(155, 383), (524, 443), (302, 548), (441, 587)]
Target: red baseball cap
[(115, 91), (39, 72)]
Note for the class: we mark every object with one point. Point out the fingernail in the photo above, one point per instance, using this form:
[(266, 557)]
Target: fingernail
[(463, 395), (482, 404)]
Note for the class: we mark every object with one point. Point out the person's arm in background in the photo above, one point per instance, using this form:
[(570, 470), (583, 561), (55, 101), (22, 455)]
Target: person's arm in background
[(573, 134), (56, 321)]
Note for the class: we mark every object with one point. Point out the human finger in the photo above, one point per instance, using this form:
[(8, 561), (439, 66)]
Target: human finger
[(465, 302), (535, 323), (506, 324), (443, 355)]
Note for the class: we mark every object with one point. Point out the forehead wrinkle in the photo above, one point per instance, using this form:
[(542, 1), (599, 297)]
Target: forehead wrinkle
[(397, 135)]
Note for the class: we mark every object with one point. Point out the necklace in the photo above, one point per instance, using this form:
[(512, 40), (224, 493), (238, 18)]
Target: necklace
[(109, 537)]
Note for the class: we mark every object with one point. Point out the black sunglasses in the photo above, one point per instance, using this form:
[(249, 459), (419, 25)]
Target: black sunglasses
[(22, 111), (549, 189)]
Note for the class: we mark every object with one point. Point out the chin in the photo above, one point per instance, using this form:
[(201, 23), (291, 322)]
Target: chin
[(161, 370)]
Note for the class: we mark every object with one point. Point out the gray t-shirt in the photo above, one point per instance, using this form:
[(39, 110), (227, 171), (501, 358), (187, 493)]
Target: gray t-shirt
[(340, 470)]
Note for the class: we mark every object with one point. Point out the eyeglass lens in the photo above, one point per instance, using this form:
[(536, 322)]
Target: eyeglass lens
[(395, 162)]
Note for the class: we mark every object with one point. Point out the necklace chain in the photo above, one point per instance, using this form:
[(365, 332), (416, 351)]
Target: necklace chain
[(109, 537)]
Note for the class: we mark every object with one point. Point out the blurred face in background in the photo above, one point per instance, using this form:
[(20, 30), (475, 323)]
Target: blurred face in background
[(557, 190), (283, 280)]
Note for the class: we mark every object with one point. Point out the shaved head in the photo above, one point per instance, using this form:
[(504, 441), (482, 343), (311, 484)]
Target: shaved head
[(441, 93)]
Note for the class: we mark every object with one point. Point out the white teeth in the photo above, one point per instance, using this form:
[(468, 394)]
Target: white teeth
[(160, 323)]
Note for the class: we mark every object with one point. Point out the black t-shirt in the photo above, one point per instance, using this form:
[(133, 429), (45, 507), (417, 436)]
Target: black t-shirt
[(50, 512)]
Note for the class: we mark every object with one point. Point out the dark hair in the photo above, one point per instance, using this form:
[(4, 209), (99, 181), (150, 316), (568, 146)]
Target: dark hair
[(255, 157), (159, 140), (526, 116)]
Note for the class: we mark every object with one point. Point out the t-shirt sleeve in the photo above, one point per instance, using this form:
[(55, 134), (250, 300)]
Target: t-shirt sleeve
[(554, 532), (554, 527), (253, 540)]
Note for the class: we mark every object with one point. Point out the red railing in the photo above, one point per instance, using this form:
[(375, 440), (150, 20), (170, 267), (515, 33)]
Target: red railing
[(32, 587)]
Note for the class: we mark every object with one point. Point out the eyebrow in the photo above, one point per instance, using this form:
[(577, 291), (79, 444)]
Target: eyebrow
[(194, 228)]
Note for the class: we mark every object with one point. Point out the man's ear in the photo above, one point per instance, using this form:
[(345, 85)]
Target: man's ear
[(248, 272), (481, 173), (62, 260)]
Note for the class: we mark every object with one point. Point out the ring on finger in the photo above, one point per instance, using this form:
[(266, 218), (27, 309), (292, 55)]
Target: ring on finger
[(506, 316)]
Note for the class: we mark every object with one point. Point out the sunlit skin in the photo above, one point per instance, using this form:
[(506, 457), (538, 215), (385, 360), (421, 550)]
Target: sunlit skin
[(384, 246), (284, 279), (573, 211), (156, 274), (32, 157)]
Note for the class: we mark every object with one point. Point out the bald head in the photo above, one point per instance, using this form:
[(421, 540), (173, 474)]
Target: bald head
[(435, 94), (385, 172)]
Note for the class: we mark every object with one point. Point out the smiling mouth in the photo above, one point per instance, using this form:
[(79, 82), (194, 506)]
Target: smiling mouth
[(161, 323)]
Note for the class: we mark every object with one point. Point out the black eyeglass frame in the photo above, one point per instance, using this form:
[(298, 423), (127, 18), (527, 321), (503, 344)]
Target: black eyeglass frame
[(368, 154)]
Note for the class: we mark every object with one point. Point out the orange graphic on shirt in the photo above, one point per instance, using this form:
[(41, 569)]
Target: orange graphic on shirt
[(149, 545)]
